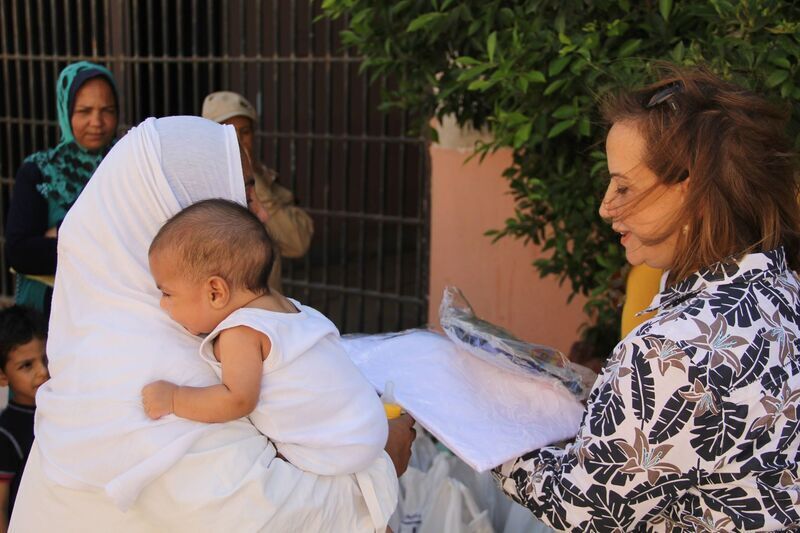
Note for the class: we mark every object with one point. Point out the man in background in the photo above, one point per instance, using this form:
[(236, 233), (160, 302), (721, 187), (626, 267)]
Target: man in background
[(290, 226)]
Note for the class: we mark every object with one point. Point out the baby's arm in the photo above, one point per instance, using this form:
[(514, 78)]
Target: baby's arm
[(240, 350)]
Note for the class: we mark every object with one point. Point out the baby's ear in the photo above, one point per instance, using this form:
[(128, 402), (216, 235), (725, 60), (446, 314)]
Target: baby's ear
[(219, 293)]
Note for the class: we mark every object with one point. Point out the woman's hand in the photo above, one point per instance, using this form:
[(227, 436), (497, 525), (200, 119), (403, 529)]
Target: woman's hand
[(158, 399), (398, 445)]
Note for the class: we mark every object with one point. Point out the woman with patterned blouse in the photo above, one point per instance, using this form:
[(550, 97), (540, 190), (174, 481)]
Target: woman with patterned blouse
[(693, 423)]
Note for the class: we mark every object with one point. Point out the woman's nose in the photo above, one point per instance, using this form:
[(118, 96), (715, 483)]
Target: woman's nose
[(95, 119), (605, 202)]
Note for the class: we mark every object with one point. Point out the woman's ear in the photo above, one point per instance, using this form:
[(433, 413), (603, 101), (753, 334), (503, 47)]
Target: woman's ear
[(3, 379), (218, 291), (684, 184)]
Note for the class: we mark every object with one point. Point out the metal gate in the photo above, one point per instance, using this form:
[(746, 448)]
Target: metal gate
[(354, 168)]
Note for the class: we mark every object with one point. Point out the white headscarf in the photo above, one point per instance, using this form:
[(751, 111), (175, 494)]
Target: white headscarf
[(108, 336)]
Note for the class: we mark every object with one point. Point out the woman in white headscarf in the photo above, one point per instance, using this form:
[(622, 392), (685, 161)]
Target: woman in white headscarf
[(98, 463)]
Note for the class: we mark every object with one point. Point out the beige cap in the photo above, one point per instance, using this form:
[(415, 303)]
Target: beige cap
[(222, 105)]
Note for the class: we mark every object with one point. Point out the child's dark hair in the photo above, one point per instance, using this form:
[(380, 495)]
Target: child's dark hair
[(19, 325), (219, 238)]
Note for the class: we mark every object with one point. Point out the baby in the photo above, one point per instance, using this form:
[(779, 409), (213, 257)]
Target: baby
[(280, 363)]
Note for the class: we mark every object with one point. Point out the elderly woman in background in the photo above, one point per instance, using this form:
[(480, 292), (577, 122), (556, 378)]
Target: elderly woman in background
[(49, 182), (693, 423)]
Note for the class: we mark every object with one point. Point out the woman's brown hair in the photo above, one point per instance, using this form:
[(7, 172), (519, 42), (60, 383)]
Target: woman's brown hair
[(731, 143)]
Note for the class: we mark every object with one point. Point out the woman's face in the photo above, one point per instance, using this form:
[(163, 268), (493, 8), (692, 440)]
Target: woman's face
[(636, 205), (94, 115)]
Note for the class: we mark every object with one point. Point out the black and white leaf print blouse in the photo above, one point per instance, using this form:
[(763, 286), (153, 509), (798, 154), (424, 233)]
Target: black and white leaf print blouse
[(693, 423)]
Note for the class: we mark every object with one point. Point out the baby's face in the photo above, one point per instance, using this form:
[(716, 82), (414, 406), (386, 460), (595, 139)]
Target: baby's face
[(183, 299)]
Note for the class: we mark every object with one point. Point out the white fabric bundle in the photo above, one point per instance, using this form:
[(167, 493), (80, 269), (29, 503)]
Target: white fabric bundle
[(108, 338), (484, 414)]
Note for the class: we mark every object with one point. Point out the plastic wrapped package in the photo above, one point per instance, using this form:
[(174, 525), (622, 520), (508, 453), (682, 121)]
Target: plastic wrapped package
[(500, 348), (483, 413)]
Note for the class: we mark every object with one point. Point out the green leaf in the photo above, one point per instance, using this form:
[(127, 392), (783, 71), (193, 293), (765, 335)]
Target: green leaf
[(553, 87), (534, 76), (678, 52), (584, 126), (473, 72), (565, 111), (467, 61), (776, 78), (491, 45), (522, 134), (629, 47), (557, 65), (781, 62), (480, 85), (560, 127), (424, 20), (665, 7)]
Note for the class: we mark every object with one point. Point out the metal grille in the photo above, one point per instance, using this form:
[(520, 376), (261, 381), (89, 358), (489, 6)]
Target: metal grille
[(354, 168)]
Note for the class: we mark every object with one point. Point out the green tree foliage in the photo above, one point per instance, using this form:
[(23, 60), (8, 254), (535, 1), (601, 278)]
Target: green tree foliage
[(533, 70)]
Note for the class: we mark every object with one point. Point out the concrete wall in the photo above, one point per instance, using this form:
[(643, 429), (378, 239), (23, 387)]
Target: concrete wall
[(498, 279)]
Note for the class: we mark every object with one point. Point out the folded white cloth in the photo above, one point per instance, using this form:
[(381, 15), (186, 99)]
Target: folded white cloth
[(96, 452), (483, 414)]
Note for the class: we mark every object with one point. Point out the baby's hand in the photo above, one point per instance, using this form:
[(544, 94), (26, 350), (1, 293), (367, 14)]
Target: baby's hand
[(157, 398)]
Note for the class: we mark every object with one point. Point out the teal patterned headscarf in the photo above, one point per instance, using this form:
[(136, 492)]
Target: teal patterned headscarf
[(68, 167)]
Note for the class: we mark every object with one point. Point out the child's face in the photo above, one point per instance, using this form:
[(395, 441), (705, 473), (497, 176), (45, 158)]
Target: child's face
[(185, 301), (25, 371)]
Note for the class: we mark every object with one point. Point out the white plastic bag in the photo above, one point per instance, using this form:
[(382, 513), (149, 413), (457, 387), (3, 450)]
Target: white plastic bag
[(500, 348), (453, 510), (433, 502)]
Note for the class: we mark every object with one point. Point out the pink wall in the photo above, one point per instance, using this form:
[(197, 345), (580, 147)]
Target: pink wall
[(497, 279)]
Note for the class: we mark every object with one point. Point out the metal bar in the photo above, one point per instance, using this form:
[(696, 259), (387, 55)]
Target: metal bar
[(179, 54), (151, 84), (93, 17), (340, 137), (31, 86), (210, 44), (54, 64), (259, 100), (276, 88), (328, 147), (226, 79), (384, 171), (81, 34), (68, 31), (195, 88), (43, 73), (362, 241), (423, 230), (70, 57), (165, 71), (107, 47), (4, 281), (23, 151), (344, 289), (138, 112), (345, 174), (242, 48), (311, 103), (400, 260)]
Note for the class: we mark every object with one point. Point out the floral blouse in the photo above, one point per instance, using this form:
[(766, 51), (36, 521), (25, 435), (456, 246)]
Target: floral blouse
[(693, 423)]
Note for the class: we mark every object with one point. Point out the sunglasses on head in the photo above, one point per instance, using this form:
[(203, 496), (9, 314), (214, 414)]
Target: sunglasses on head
[(665, 95)]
